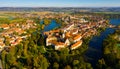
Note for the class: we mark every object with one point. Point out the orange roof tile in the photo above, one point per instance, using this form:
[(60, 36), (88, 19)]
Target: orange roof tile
[(11, 25), (59, 43), (68, 34), (1, 40), (55, 31), (4, 25), (2, 44), (77, 43), (74, 30), (77, 36), (19, 39), (53, 41), (56, 43)]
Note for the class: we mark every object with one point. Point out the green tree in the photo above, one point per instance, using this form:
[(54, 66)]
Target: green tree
[(3, 54), (68, 67), (56, 65), (75, 62)]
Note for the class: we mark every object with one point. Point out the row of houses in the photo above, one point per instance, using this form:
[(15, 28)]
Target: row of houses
[(11, 34)]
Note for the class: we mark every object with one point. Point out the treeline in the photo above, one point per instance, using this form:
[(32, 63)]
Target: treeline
[(111, 52), (111, 16), (106, 15)]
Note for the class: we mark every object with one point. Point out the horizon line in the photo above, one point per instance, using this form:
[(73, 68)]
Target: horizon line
[(57, 7)]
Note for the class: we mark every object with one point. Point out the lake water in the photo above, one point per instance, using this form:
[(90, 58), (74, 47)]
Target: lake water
[(50, 26), (115, 21), (94, 52)]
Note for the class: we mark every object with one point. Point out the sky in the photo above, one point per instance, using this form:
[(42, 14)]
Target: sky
[(59, 3)]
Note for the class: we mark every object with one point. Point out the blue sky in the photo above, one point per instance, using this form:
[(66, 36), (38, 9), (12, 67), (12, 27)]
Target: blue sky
[(59, 3)]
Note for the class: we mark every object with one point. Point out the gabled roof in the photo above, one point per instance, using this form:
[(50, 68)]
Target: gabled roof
[(76, 44), (4, 25), (60, 43), (77, 36), (67, 34), (74, 30)]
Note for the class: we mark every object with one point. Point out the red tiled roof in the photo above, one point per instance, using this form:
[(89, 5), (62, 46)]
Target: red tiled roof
[(77, 36), (76, 44), (59, 43)]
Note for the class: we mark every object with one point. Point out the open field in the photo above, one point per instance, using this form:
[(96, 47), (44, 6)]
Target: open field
[(107, 12)]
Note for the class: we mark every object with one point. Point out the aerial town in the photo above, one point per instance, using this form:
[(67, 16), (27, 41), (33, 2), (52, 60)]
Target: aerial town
[(52, 36), (59, 34), (12, 34), (71, 35)]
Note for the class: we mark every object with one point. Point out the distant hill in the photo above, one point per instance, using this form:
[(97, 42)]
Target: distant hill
[(57, 9)]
